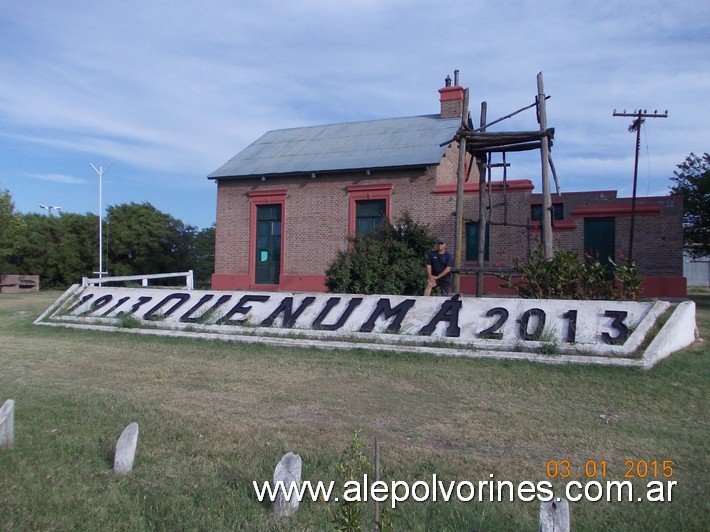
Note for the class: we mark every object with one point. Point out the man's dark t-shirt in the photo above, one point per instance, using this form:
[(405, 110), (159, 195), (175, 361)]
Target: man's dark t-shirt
[(438, 263)]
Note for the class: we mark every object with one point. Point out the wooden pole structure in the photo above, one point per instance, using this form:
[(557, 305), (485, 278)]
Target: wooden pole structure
[(482, 161), (544, 156), (459, 199), (377, 479)]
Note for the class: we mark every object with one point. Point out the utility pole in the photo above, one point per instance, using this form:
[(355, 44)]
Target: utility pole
[(635, 127), (100, 170)]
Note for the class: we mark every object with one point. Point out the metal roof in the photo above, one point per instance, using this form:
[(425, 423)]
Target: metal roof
[(390, 143)]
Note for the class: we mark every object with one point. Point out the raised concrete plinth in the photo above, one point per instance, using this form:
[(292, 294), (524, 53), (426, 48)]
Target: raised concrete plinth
[(548, 331)]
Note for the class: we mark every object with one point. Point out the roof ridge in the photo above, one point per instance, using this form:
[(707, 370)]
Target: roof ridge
[(433, 116)]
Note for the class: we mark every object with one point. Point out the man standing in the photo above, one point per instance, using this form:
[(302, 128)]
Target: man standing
[(438, 268)]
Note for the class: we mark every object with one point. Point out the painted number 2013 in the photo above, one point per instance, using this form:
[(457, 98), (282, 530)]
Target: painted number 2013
[(532, 325)]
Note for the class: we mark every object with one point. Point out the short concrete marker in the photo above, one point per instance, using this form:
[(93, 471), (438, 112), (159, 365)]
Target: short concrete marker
[(287, 472), (554, 516), (126, 450), (7, 419)]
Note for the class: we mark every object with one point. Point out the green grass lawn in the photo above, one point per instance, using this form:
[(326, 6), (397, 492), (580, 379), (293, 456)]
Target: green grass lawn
[(216, 416)]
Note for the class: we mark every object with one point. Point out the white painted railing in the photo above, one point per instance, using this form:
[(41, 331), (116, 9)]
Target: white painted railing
[(189, 280)]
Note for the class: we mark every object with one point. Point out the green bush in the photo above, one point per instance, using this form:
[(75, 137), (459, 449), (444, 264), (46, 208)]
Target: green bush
[(347, 514), (568, 276), (388, 260)]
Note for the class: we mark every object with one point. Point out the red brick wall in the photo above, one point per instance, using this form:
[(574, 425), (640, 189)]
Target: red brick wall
[(316, 220), (232, 228), (658, 228)]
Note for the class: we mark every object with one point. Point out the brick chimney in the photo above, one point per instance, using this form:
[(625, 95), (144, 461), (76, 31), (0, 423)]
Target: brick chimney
[(451, 98)]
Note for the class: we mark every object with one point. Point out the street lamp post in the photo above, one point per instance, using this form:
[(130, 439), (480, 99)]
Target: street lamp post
[(100, 170), (49, 208)]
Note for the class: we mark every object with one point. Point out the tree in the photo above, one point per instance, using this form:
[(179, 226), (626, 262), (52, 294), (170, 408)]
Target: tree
[(138, 239), (61, 250), (11, 225), (78, 247), (141, 239), (202, 256), (692, 181), (388, 260)]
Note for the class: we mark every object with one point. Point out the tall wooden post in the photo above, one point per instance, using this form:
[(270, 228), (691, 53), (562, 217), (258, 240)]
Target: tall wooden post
[(544, 156), (377, 479), (459, 199), (481, 207)]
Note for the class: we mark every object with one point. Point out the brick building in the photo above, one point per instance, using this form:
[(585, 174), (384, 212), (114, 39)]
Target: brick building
[(287, 203)]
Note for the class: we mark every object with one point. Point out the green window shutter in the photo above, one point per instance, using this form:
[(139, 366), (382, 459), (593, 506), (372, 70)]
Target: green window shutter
[(369, 214), (558, 212), (472, 241), (600, 239)]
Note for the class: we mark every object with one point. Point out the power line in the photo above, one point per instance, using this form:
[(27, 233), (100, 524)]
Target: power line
[(648, 160)]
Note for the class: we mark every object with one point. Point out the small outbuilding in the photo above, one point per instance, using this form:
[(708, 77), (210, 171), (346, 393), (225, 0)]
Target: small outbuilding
[(15, 284)]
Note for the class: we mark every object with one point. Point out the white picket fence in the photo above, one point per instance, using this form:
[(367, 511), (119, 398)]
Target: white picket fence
[(189, 279), (697, 270)]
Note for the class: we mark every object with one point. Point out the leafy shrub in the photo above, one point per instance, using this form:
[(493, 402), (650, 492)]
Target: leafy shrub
[(347, 513), (388, 260), (127, 320), (567, 276), (628, 280)]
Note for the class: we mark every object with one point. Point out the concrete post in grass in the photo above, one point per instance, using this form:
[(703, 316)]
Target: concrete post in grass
[(126, 450), (7, 420), (554, 516), (287, 472)]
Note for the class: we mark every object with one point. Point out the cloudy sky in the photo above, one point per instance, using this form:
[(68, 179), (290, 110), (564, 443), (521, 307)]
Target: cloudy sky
[(169, 91)]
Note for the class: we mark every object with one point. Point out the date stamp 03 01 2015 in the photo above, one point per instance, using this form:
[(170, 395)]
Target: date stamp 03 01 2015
[(590, 469)]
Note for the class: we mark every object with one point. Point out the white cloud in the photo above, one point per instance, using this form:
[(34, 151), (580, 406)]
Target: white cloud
[(59, 178), (173, 90)]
